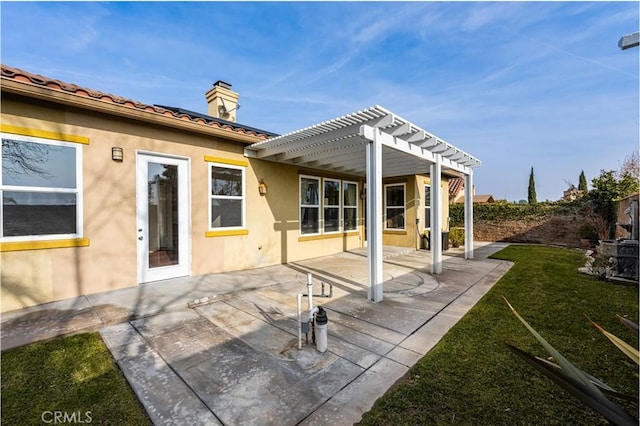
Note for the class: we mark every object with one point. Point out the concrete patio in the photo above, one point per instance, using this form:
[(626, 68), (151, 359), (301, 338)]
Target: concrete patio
[(222, 348)]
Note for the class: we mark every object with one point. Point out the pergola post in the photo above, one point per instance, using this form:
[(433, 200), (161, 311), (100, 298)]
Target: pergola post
[(468, 215), (374, 217), (435, 235)]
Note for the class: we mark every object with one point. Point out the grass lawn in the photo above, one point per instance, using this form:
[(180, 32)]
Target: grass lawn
[(471, 378), (73, 376)]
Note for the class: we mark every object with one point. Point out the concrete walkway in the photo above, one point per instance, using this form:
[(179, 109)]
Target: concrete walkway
[(222, 348)]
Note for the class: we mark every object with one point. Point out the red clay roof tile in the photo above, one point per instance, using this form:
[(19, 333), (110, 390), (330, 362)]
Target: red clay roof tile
[(39, 80), (455, 186)]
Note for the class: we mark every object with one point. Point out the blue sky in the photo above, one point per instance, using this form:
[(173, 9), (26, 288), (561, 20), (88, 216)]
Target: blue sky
[(518, 85)]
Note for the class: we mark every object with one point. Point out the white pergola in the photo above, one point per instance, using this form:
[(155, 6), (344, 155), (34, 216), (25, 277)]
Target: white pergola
[(376, 143)]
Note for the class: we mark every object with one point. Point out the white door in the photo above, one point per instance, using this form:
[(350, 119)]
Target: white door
[(162, 217)]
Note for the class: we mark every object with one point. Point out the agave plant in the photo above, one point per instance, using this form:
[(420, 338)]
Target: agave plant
[(581, 385), (624, 347)]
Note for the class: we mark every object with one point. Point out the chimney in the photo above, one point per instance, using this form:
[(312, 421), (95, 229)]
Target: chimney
[(223, 102)]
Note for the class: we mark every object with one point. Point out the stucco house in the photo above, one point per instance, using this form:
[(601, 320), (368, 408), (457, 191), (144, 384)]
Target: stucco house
[(572, 193), (457, 193), (101, 192)]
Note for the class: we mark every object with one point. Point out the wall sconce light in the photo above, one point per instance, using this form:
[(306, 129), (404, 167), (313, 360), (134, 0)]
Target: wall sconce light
[(262, 187), (117, 154)]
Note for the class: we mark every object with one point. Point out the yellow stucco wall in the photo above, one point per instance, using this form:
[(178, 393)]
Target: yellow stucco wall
[(415, 209), (108, 260), (421, 181)]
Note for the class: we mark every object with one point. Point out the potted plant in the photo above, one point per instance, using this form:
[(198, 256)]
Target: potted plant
[(588, 235)]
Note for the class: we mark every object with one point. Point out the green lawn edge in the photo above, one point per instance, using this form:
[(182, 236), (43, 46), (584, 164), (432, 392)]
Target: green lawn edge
[(471, 378), (71, 379)]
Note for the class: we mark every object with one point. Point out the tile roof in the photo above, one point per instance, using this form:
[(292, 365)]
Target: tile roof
[(19, 75), (485, 198), (455, 186)]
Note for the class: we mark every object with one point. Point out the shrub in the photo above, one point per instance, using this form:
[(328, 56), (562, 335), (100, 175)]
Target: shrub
[(589, 232), (456, 237), (510, 211)]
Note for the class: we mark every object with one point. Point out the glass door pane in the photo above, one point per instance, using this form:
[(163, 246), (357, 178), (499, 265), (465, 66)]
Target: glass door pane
[(163, 217), (162, 210)]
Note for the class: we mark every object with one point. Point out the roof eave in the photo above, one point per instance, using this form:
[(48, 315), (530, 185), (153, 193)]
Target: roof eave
[(71, 99)]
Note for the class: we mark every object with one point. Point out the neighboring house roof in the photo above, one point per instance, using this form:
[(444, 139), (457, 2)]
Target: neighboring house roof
[(456, 193), (487, 198), (18, 75), (456, 188)]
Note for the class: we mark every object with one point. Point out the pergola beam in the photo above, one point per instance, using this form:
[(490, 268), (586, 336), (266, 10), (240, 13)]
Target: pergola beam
[(440, 148), (320, 137), (324, 138), (403, 129), (418, 136), (322, 149), (429, 142)]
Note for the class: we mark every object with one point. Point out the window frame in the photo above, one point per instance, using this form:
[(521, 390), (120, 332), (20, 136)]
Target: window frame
[(78, 190), (337, 207), (310, 206), (211, 197), (403, 207), (427, 207), (322, 205), (345, 207)]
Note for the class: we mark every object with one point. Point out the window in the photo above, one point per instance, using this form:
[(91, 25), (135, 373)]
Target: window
[(394, 205), (331, 204), (41, 188), (309, 205), (227, 197), (427, 206), (350, 205), (335, 211)]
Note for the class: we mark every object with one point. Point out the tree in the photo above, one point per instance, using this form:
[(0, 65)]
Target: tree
[(532, 189), (25, 158), (601, 202), (607, 187), (631, 166), (627, 185), (601, 208), (582, 184)]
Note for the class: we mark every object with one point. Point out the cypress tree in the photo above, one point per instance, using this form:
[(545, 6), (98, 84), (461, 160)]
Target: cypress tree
[(532, 189), (582, 184)]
